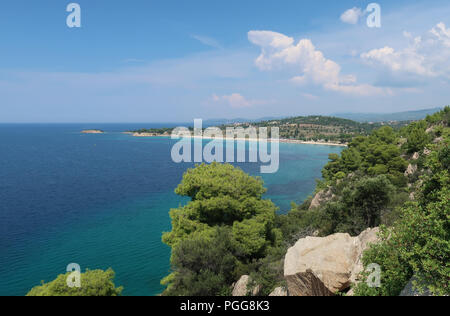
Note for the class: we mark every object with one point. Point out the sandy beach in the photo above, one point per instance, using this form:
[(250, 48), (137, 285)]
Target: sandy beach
[(286, 141)]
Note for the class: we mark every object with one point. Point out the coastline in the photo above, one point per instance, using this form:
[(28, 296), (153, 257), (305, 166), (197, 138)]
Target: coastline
[(284, 141)]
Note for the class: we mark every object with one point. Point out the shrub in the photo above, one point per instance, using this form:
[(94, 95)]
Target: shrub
[(93, 283)]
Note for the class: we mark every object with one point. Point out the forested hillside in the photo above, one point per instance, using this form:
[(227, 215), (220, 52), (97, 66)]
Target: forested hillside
[(389, 117), (309, 128), (399, 180), (396, 179)]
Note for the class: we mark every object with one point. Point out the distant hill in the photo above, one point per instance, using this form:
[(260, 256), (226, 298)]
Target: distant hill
[(387, 117), (337, 129), (304, 128), (218, 122), (317, 128)]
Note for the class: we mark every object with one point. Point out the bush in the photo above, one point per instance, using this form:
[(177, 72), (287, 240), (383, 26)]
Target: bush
[(202, 270), (417, 137), (93, 283), (419, 243)]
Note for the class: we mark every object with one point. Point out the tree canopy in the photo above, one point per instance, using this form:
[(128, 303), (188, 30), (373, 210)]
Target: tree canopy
[(226, 210), (93, 283)]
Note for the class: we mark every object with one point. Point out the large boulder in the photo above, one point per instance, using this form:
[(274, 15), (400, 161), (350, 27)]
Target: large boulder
[(317, 266)]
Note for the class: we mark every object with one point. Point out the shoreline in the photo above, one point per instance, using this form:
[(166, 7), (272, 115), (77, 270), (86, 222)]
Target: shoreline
[(284, 141)]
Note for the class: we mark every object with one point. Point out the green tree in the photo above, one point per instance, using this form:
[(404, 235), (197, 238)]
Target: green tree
[(369, 198), (359, 205), (225, 202), (417, 137), (203, 270), (220, 195), (93, 283)]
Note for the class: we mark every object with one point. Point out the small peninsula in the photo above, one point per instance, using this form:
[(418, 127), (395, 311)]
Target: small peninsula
[(92, 131)]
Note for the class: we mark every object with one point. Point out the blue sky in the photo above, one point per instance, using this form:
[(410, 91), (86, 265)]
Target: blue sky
[(168, 61)]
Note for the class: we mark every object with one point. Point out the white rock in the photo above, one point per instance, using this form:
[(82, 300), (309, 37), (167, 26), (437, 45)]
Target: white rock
[(410, 170), (324, 266), (279, 291), (241, 287), (320, 198)]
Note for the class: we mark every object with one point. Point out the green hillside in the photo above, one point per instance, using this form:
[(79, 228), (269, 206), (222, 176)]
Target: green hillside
[(303, 128), (388, 117), (396, 179)]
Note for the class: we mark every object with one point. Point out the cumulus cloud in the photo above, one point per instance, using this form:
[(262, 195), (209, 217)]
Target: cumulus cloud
[(425, 56), (407, 60), (352, 16), (280, 51)]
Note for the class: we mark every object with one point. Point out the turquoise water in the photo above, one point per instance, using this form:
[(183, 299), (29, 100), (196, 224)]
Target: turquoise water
[(103, 201)]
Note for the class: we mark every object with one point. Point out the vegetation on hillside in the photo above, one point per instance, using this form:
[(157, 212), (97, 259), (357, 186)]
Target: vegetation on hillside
[(315, 128), (418, 244), (389, 117), (93, 283), (310, 128), (156, 131), (372, 183)]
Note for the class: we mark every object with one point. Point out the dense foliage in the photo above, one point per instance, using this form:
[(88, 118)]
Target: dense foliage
[(368, 185), (419, 242), (226, 210), (93, 283), (366, 182)]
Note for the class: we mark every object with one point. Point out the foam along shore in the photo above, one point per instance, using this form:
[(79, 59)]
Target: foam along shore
[(92, 131), (286, 141)]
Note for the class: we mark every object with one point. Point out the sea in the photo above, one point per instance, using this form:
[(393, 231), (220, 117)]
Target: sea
[(103, 201)]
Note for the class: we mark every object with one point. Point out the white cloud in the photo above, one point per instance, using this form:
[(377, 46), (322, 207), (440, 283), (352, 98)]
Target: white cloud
[(407, 60), (310, 96), (352, 16), (208, 41), (425, 56), (234, 100), (280, 51)]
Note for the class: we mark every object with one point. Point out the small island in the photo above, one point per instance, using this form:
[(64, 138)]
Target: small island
[(92, 131)]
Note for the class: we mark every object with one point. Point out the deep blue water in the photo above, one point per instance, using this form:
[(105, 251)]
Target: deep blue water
[(103, 201)]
